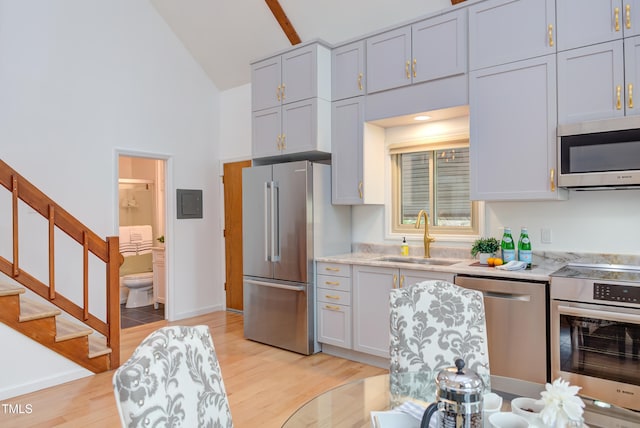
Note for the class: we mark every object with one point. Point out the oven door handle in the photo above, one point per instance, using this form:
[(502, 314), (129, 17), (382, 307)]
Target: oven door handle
[(592, 313)]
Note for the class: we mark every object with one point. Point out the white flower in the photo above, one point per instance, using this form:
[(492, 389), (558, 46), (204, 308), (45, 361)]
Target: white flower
[(562, 407)]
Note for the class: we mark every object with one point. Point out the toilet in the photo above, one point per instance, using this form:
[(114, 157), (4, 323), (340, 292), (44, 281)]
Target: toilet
[(140, 287)]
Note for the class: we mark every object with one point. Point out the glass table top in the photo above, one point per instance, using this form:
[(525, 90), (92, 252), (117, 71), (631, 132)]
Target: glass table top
[(350, 405)]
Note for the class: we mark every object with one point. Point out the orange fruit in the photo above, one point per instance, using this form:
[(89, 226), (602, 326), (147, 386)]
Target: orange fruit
[(491, 261), (497, 261)]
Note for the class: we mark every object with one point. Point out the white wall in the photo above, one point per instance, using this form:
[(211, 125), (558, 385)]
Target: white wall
[(82, 80)]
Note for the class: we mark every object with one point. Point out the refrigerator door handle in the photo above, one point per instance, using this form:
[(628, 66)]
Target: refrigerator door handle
[(267, 229), (274, 285), (275, 222)]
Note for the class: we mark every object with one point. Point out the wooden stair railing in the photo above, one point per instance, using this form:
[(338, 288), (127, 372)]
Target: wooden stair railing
[(106, 250)]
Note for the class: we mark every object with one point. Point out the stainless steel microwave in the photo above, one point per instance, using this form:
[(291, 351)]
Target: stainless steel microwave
[(603, 154)]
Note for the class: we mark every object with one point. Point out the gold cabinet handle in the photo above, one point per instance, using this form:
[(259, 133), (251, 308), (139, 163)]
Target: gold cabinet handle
[(552, 179), (360, 189), (283, 92), (627, 16), (279, 142), (360, 81), (278, 93), (551, 35), (616, 14), (618, 97), (331, 296), (401, 281), (395, 281), (414, 67), (332, 269), (332, 307), (630, 95), (283, 145), (332, 282), (406, 69)]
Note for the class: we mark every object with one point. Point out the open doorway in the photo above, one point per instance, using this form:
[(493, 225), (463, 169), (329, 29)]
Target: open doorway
[(141, 220)]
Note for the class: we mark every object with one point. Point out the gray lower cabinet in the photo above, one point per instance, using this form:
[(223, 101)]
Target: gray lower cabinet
[(370, 303), (333, 295)]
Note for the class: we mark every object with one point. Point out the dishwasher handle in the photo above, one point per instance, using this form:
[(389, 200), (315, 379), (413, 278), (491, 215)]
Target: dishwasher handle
[(507, 296)]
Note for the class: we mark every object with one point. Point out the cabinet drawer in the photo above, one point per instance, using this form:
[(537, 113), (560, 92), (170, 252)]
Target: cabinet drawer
[(336, 269), (334, 297), (340, 283)]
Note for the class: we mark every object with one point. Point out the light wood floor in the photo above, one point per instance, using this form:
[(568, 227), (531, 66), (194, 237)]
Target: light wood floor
[(264, 384)]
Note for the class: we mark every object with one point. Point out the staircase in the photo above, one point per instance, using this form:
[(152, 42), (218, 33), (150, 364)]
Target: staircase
[(56, 322)]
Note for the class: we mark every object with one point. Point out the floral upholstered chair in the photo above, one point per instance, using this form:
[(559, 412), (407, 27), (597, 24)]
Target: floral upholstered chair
[(173, 379), (433, 323)]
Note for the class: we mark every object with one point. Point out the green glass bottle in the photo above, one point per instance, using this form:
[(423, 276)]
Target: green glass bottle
[(508, 246), (524, 247)]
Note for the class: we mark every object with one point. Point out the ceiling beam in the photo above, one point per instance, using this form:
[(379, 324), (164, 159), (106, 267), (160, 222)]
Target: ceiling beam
[(284, 22)]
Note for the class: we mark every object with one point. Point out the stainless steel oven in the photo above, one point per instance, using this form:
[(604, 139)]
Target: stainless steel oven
[(595, 331)]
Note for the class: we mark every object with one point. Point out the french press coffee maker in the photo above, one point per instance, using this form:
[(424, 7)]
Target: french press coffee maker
[(458, 398)]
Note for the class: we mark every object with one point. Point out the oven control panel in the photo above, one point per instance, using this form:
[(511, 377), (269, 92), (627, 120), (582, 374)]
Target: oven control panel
[(616, 293)]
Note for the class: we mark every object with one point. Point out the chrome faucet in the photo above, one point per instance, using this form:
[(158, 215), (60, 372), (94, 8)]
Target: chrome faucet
[(427, 239)]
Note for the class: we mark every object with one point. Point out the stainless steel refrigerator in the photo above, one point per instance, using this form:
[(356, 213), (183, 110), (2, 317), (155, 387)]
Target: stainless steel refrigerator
[(288, 220)]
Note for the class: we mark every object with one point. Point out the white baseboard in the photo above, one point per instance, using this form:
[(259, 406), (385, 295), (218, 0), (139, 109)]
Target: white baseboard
[(57, 379), (203, 311), (352, 355)]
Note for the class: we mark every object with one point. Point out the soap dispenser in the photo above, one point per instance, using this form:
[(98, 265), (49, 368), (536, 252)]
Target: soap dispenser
[(404, 248)]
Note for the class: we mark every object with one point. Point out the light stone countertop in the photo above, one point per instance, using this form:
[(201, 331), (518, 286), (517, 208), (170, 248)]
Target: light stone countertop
[(544, 263), (541, 270)]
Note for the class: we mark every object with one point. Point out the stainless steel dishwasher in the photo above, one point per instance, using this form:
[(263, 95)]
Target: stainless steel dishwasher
[(517, 328)]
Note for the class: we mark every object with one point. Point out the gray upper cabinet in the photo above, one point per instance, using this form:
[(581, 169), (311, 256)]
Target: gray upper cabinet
[(587, 22), (347, 71), (591, 82), (389, 60), (294, 128), (297, 75), (357, 155), (599, 81), (427, 50), (504, 31), (513, 131), (439, 47)]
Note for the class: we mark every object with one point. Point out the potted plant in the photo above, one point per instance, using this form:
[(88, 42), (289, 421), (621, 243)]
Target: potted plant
[(486, 247)]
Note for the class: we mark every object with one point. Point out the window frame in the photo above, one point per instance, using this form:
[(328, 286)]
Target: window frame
[(396, 188)]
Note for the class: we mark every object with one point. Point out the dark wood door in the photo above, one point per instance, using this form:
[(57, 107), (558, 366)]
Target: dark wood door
[(232, 180)]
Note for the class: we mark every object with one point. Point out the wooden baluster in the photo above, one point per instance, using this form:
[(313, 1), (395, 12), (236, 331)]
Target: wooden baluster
[(52, 276), (14, 191), (85, 274)]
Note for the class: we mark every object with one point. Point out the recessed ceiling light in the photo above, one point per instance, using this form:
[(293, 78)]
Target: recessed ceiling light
[(422, 118)]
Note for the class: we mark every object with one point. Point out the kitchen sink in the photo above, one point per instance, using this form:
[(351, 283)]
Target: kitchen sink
[(418, 260)]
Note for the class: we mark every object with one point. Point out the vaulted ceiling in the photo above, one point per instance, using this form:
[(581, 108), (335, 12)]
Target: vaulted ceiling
[(224, 36)]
